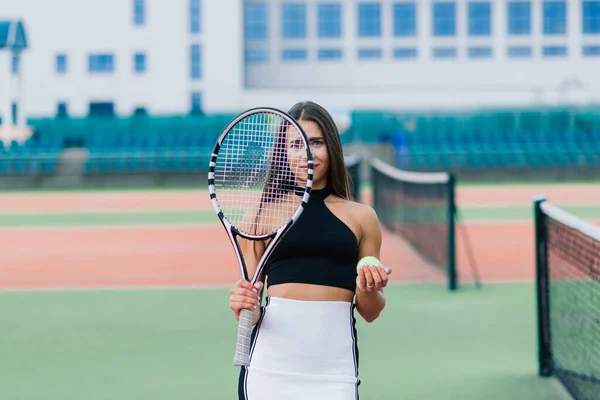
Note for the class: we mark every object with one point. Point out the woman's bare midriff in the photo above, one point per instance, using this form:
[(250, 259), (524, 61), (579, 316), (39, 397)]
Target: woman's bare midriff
[(304, 291)]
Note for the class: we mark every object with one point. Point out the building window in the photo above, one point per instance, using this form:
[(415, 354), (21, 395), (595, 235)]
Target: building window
[(293, 54), (61, 63), (62, 109), (405, 19), (444, 52), (555, 51), (256, 55), (444, 18), (101, 63), (330, 54), (480, 18), (519, 52), (591, 17), (256, 21), (480, 52), (196, 100), (106, 108), (369, 19), (139, 12), (405, 53), (195, 16), (139, 62), (330, 20), (591, 51), (294, 21), (369, 53), (195, 61), (555, 17), (519, 18)]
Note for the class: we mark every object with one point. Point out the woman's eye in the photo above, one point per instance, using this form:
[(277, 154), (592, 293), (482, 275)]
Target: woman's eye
[(317, 143)]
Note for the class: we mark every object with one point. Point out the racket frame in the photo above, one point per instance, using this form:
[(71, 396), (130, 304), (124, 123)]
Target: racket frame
[(242, 355)]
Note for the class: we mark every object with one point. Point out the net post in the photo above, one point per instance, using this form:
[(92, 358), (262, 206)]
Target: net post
[(542, 295), (452, 275)]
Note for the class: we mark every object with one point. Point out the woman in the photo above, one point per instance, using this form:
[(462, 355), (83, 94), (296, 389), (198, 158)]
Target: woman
[(304, 338)]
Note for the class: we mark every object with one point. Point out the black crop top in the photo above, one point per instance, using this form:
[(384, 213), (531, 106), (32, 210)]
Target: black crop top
[(318, 249)]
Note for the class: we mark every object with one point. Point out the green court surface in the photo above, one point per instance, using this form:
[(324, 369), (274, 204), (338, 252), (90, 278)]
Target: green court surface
[(185, 217), (429, 344), (109, 218)]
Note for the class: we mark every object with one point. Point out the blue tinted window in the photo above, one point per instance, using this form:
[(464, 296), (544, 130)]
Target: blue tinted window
[(196, 98), (405, 19), (555, 51), (591, 17), (294, 21), (330, 20), (101, 63), (369, 19), (194, 16), (139, 12), (61, 63), (195, 61), (330, 54), (519, 52), (555, 17), (256, 21), (480, 52), (519, 18), (444, 19), (405, 52), (139, 60), (62, 109), (444, 52), (293, 54), (369, 53), (591, 51), (480, 18), (256, 55)]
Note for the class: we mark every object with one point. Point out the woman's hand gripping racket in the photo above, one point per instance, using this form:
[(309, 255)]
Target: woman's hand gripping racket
[(260, 177)]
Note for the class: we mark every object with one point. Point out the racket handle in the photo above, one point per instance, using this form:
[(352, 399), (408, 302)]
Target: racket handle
[(242, 351)]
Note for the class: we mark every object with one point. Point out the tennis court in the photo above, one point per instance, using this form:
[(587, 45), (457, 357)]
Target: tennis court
[(124, 294)]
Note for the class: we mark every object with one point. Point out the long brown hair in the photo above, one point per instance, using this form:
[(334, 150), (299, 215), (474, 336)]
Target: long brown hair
[(337, 175)]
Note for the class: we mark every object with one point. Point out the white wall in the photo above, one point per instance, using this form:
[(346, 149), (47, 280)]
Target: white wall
[(5, 86), (80, 27)]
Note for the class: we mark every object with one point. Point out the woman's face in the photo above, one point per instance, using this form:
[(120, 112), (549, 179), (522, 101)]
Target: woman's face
[(297, 155)]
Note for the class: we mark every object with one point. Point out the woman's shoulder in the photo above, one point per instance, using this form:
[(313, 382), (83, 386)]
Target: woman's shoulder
[(364, 214)]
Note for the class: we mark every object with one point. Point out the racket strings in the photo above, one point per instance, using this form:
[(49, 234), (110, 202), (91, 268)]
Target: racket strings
[(260, 163)]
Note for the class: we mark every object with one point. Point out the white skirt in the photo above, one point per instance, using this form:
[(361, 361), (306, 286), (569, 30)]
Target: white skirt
[(303, 350)]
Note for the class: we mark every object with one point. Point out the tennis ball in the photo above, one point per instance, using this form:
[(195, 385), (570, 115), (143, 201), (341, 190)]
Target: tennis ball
[(368, 260)]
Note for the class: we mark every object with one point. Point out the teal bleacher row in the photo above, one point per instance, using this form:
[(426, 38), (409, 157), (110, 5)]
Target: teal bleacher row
[(425, 141), (32, 157), (118, 145), (498, 149)]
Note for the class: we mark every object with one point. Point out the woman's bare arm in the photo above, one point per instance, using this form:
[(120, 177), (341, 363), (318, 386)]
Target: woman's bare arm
[(370, 301)]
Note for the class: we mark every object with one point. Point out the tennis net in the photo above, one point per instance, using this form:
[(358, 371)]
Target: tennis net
[(353, 166), (419, 206), (568, 298)]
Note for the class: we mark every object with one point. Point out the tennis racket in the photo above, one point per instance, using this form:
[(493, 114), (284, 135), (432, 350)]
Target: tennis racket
[(260, 177)]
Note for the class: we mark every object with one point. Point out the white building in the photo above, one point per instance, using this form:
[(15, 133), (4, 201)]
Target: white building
[(171, 56)]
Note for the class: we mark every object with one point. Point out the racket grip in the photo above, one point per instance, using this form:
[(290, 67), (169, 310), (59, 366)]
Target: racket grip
[(242, 350)]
